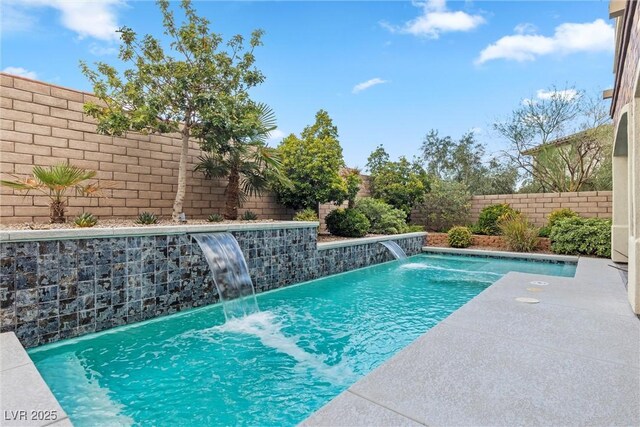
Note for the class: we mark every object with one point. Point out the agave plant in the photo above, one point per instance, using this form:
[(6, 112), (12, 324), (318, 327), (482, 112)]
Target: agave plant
[(85, 220), (216, 217), (56, 182), (147, 218)]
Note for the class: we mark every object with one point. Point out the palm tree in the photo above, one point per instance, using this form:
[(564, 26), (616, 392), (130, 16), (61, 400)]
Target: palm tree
[(235, 148), (56, 182)]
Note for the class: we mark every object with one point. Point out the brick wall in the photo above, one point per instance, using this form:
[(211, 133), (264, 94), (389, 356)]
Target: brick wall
[(43, 124), (538, 206)]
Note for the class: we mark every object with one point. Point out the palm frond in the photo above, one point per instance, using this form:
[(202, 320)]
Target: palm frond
[(212, 166)]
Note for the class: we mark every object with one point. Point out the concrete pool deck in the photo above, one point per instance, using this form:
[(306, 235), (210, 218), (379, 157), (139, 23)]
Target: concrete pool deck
[(571, 359), (25, 399)]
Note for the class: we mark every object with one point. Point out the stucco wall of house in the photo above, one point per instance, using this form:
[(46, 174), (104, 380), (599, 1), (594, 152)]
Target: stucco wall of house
[(625, 111)]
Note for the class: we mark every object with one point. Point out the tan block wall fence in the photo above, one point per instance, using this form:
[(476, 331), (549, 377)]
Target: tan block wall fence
[(43, 124), (537, 207)]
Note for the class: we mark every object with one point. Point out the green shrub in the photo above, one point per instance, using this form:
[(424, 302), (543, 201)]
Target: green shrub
[(347, 223), (448, 203), (544, 231), (147, 218), (582, 236), (519, 233), (383, 218), (85, 220), (489, 216), (554, 217), (306, 215), (413, 228), (249, 216), (559, 214), (216, 217), (460, 237)]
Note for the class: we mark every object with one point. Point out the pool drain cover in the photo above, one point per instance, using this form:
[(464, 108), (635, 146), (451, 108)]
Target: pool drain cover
[(539, 283), (527, 300)]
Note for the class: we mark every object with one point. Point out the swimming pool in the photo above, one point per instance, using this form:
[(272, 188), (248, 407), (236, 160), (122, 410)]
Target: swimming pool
[(309, 342)]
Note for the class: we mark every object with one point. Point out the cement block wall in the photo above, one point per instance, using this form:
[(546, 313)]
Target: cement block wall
[(43, 124)]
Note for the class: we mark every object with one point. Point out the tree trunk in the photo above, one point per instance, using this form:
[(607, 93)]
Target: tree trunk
[(233, 195), (56, 212), (182, 176)]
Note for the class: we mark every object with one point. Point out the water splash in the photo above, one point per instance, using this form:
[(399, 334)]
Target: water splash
[(395, 249), (268, 329), (230, 273)]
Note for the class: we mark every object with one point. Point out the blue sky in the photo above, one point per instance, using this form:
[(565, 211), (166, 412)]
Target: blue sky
[(387, 72)]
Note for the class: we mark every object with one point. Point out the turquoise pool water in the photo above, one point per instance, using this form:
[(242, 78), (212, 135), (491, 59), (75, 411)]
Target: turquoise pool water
[(276, 367)]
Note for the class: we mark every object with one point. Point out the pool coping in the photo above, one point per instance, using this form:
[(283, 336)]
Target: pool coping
[(497, 361), (501, 254), (367, 240), (22, 388), (90, 233)]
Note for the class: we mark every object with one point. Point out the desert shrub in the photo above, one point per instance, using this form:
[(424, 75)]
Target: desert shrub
[(519, 233), (559, 214), (383, 218), (85, 220), (447, 204), (347, 223), (582, 236), (460, 237), (489, 216), (147, 218), (554, 217), (216, 217), (249, 216), (306, 215), (544, 231)]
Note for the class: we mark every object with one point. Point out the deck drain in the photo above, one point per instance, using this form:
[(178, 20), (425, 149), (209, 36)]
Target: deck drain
[(534, 289), (539, 283), (527, 300)]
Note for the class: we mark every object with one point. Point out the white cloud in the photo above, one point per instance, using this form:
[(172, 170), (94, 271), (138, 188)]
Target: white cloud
[(435, 20), (567, 94), (87, 18), (596, 36), (525, 28), (19, 71), (366, 85), (543, 94), (99, 50), (276, 135)]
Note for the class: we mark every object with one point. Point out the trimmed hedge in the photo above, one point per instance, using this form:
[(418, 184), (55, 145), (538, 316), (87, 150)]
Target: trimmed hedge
[(582, 236), (347, 223)]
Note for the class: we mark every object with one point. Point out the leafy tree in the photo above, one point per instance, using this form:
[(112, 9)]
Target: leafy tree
[(560, 141), (176, 91), (402, 184), (352, 181), (463, 162), (312, 163), (448, 203), (235, 145), (56, 182)]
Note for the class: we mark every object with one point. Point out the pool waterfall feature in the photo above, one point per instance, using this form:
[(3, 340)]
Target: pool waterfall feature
[(230, 273), (395, 249), (60, 284)]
